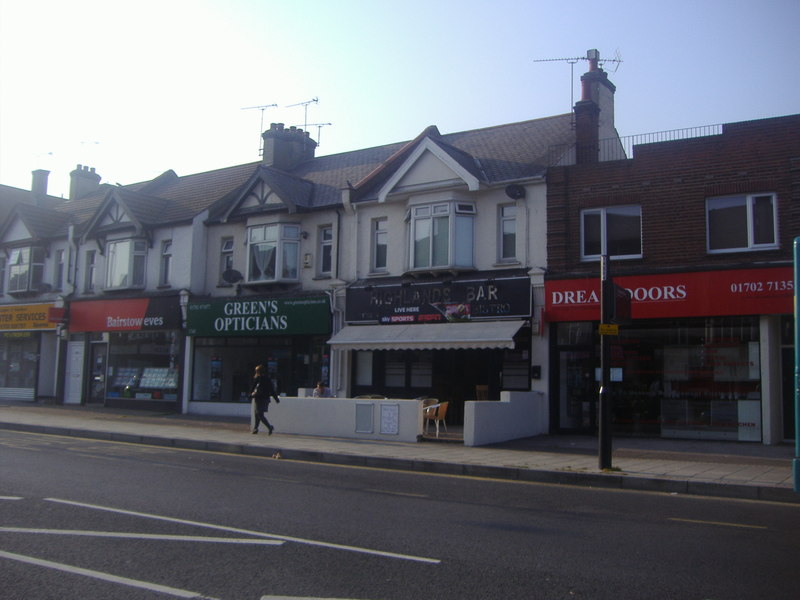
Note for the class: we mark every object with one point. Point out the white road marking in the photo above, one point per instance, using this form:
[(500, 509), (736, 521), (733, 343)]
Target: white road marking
[(10, 497), (721, 523), (144, 536), (104, 576), (320, 544)]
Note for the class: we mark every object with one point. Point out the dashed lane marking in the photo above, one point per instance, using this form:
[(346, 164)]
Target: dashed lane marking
[(146, 585), (721, 523)]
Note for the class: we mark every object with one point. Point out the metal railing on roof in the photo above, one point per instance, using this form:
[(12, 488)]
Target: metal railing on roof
[(623, 148)]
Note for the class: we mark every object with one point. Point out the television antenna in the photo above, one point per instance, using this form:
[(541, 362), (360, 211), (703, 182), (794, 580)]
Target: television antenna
[(319, 127), (262, 108), (305, 109), (593, 56)]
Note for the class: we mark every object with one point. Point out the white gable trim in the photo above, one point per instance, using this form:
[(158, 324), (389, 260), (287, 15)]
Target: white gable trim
[(428, 145)]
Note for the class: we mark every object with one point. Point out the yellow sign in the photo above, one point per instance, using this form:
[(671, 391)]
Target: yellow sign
[(609, 329), (25, 317)]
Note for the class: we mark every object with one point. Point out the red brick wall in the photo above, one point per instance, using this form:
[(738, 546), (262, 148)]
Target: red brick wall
[(671, 181)]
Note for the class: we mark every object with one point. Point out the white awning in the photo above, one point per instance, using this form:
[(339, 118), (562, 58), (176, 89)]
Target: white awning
[(428, 336)]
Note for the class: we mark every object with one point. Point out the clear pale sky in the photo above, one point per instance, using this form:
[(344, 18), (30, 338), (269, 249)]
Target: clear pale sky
[(137, 88)]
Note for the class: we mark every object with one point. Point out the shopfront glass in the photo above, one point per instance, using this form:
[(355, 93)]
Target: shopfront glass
[(143, 365), (19, 360), (692, 378), (223, 367)]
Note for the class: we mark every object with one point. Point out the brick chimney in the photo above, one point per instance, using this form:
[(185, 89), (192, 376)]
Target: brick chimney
[(39, 185), (83, 181), (594, 112), (286, 148)]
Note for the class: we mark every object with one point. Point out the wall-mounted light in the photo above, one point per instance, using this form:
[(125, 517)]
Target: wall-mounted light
[(304, 235)]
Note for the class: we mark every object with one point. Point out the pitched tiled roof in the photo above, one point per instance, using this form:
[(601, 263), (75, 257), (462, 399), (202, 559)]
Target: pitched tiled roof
[(493, 154)]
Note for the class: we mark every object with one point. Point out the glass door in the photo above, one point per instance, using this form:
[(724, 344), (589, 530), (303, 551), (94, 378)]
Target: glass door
[(578, 391), (97, 366)]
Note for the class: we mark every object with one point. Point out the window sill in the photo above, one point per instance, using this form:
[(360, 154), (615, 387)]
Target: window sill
[(506, 263)]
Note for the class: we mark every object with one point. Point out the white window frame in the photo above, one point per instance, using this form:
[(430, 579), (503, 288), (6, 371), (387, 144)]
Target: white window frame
[(58, 269), (284, 263), (225, 258), (424, 219), (325, 250), (379, 259), (3, 262), (125, 264), (165, 266), (26, 269), (749, 202), (506, 218), (603, 214), (91, 266)]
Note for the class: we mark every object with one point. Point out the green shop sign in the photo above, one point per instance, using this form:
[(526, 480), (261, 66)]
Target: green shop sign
[(259, 316)]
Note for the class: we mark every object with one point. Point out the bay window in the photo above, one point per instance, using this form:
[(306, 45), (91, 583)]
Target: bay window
[(274, 252), (25, 269), (125, 262), (442, 235)]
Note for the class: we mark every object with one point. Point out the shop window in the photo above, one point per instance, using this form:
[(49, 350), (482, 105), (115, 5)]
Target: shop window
[(274, 253), (25, 269), (125, 262), (442, 235), (325, 250), (614, 231), (225, 258), (380, 244), (737, 223), (165, 269), (507, 234)]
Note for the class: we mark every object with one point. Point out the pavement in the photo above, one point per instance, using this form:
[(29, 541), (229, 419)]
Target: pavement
[(743, 470)]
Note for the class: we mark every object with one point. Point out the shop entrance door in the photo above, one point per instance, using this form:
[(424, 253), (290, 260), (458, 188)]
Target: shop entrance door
[(787, 370), (97, 366), (578, 391)]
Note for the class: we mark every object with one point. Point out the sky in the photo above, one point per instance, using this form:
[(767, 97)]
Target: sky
[(134, 89)]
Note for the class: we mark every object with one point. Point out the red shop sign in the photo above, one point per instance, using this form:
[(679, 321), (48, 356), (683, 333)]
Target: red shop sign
[(124, 315), (696, 294)]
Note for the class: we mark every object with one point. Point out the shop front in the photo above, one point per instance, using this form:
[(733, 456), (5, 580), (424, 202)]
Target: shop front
[(28, 352), (701, 357), (465, 338), (125, 353), (229, 337)]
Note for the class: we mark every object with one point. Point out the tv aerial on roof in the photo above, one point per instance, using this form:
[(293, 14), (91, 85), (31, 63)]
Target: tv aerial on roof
[(262, 108), (305, 104), (591, 55)]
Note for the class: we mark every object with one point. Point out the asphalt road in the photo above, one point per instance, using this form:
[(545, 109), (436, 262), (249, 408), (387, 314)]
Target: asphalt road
[(91, 519)]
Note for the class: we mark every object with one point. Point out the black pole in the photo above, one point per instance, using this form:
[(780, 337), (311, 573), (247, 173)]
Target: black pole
[(604, 400)]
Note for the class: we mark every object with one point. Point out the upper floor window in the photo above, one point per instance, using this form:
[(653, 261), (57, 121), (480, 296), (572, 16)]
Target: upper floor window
[(380, 244), (58, 272), (25, 269), (166, 263), (2, 274), (748, 222), (125, 262), (507, 235), (325, 250), (274, 252), (225, 258), (442, 235), (614, 231), (90, 263)]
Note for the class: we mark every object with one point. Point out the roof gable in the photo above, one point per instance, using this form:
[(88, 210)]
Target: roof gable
[(430, 165), (15, 231), (270, 190)]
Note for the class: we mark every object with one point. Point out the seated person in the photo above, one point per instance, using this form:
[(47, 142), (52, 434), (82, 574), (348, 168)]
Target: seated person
[(321, 391)]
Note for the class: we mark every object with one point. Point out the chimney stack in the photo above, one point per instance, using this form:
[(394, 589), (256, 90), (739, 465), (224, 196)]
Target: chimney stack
[(39, 185), (594, 112), (286, 148), (83, 181)]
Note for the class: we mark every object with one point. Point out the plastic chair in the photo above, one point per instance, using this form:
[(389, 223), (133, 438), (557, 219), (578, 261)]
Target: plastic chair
[(481, 392), (436, 413)]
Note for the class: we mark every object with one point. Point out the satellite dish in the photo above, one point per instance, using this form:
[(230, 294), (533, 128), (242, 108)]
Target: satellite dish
[(232, 276), (515, 191)]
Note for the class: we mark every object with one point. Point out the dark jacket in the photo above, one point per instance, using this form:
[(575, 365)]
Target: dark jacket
[(262, 389)]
